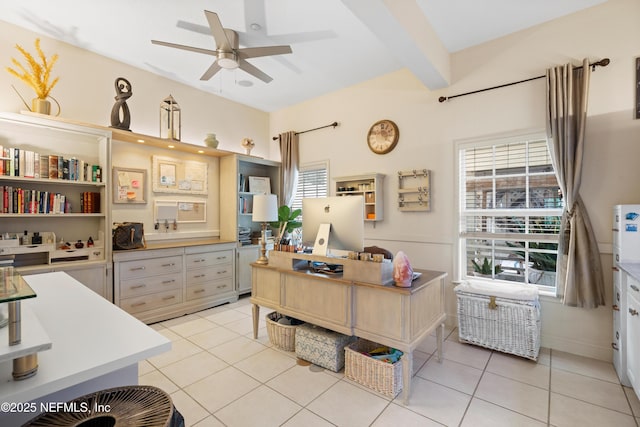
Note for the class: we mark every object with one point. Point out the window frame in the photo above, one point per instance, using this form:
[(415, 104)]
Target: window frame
[(462, 238), (321, 164)]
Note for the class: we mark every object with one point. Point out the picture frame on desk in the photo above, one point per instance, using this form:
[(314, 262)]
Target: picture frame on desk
[(129, 185)]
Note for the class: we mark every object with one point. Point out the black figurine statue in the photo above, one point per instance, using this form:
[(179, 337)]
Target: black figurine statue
[(120, 115)]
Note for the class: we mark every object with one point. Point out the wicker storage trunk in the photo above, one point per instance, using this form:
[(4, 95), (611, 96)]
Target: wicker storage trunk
[(321, 346), (489, 318), (383, 377)]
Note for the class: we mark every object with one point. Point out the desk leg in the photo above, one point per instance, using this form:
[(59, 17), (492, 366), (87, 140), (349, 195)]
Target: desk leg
[(439, 335), (407, 371), (255, 312)]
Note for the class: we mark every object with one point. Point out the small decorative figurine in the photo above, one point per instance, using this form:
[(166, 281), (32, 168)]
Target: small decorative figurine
[(248, 144), (120, 115)]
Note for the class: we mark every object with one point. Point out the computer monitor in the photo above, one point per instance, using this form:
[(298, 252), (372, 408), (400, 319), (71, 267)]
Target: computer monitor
[(345, 214)]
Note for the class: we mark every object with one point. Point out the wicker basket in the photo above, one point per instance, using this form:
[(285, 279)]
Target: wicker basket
[(383, 377), (502, 324), (281, 336)]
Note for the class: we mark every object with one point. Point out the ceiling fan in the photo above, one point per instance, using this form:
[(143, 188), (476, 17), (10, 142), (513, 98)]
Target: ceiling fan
[(228, 54)]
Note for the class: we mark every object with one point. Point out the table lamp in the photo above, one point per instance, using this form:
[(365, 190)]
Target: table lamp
[(265, 210)]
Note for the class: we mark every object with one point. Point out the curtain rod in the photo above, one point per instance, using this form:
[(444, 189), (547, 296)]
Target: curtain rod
[(602, 63), (334, 124)]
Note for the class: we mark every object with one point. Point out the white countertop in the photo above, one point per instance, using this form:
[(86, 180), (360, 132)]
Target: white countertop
[(91, 337), (632, 268)]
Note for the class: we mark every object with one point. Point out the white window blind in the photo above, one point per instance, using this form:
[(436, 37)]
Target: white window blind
[(510, 208), (312, 182)]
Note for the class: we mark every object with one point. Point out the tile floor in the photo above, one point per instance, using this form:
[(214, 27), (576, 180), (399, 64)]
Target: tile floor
[(218, 375)]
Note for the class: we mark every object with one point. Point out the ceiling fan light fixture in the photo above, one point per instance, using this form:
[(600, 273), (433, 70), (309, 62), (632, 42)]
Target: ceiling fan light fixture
[(227, 60)]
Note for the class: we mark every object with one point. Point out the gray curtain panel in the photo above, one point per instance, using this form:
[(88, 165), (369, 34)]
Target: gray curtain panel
[(580, 280), (289, 170)]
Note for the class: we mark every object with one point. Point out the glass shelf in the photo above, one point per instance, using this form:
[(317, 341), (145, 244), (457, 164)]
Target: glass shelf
[(13, 287)]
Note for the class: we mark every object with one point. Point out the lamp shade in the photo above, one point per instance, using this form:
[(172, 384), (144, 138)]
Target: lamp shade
[(265, 208)]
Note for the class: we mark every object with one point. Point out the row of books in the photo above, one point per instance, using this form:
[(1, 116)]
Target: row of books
[(245, 204), (29, 164), (20, 200)]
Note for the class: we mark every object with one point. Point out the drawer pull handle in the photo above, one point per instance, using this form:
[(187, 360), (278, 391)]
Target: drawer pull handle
[(633, 312), (199, 260), (137, 268), (171, 264), (139, 286), (615, 268), (615, 307), (614, 346), (222, 272), (138, 304), (166, 282), (221, 286), (198, 291), (635, 288), (222, 257), (167, 298), (197, 276)]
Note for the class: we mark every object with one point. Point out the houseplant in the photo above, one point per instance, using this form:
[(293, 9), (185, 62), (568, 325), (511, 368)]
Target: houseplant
[(286, 223), (485, 269), (36, 75)]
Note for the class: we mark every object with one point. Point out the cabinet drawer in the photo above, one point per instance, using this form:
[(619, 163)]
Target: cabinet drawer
[(146, 285), (149, 302), (209, 289), (150, 267), (207, 259), (202, 275)]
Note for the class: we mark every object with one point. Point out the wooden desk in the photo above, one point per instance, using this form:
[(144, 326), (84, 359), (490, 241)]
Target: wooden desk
[(393, 316)]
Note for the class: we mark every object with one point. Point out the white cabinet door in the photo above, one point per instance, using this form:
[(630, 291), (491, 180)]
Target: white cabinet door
[(633, 336), (246, 255)]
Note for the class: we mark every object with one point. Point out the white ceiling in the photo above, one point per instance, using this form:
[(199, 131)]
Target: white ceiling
[(336, 43)]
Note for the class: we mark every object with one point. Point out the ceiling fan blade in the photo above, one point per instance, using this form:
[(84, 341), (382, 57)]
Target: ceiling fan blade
[(255, 52), (254, 71), (217, 30), (214, 68), (183, 47)]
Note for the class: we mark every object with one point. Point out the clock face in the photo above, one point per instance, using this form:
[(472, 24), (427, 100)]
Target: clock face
[(383, 136)]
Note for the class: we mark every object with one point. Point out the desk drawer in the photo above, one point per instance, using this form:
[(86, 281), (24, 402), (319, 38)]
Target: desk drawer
[(209, 289), (146, 285), (149, 302), (202, 275), (150, 267), (207, 259)]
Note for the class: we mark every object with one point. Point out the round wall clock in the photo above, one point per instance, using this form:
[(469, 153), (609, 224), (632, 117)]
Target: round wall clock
[(383, 136)]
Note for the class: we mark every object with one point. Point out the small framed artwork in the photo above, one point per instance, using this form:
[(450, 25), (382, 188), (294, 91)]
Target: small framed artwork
[(259, 185), (129, 185)]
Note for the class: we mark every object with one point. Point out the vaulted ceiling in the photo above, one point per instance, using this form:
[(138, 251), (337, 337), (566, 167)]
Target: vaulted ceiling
[(335, 43)]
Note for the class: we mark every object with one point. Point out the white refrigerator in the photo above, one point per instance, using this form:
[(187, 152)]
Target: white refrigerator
[(626, 248)]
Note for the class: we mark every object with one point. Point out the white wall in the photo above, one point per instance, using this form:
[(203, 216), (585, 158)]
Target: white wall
[(86, 93), (428, 130)]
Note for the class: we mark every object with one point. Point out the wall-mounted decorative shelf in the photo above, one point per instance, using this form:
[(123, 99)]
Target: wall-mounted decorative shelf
[(414, 190), (367, 185)]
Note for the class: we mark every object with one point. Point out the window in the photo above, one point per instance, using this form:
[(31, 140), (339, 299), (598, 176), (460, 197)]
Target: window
[(510, 208), (312, 182)]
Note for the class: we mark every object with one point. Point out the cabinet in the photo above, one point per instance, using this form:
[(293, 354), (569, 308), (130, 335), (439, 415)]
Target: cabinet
[(370, 187), (55, 204), (236, 201), (633, 333), (159, 284)]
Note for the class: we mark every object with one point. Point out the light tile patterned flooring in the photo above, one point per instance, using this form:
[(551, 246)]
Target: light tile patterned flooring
[(218, 375)]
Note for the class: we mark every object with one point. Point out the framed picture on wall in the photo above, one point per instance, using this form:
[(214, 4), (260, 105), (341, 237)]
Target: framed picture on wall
[(129, 185)]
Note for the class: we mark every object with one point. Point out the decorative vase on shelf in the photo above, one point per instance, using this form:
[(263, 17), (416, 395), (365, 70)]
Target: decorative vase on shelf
[(42, 106), (211, 140), (248, 144)]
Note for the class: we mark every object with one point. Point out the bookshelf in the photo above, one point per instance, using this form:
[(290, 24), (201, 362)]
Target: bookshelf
[(54, 191), (241, 177)]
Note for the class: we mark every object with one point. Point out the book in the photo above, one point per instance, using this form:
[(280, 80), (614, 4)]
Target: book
[(44, 166), (53, 166)]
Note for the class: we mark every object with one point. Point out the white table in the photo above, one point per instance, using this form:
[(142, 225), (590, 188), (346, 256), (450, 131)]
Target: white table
[(96, 345)]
